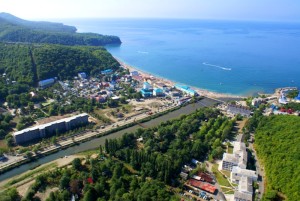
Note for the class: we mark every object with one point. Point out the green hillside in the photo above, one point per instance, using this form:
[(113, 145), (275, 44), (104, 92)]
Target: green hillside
[(13, 29), (40, 25), (27, 64), (278, 144)]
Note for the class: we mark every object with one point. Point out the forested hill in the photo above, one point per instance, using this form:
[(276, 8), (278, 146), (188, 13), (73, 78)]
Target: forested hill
[(277, 141), (13, 29), (27, 64), (40, 25)]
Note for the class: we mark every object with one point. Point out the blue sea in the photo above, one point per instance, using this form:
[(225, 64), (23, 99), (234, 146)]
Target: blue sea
[(233, 57)]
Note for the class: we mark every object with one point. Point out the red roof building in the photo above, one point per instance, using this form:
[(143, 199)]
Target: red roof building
[(203, 186), (206, 177)]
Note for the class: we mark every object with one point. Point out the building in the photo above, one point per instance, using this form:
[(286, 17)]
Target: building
[(161, 86), (46, 83), (257, 101), (134, 73), (185, 89), (50, 129), (146, 93), (283, 100), (235, 109), (245, 190), (238, 173), (82, 75), (107, 72), (158, 92), (237, 158), (147, 86), (203, 186)]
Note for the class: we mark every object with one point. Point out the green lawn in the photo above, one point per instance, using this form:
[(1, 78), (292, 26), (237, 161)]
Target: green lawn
[(220, 177), (230, 150)]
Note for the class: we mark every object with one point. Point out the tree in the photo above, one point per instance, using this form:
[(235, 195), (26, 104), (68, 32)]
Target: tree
[(76, 164), (64, 182)]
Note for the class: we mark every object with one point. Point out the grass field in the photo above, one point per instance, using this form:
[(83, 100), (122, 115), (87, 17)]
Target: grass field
[(220, 177)]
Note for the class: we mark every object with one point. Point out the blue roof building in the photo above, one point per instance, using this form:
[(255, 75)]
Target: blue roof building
[(107, 72), (146, 93), (46, 83), (185, 89), (158, 92), (82, 75), (147, 86)]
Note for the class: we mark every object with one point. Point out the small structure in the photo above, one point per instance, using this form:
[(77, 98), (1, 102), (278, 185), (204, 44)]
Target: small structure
[(206, 177), (147, 86), (46, 83), (82, 75)]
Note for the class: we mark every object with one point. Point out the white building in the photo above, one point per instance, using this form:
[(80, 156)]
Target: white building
[(238, 173), (245, 190), (49, 129), (237, 158)]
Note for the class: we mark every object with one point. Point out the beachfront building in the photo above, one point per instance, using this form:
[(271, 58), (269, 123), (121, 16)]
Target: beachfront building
[(283, 100), (158, 92), (236, 109), (82, 75), (161, 86), (238, 173), (147, 86), (46, 83), (257, 101), (185, 89), (134, 73), (107, 72), (146, 93), (50, 129)]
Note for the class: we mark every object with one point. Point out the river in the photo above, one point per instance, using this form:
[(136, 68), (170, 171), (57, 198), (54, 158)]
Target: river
[(95, 143)]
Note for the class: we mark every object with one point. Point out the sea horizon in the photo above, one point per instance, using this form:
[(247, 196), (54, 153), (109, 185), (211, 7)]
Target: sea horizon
[(230, 57)]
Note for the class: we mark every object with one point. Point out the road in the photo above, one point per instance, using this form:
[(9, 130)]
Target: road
[(259, 169)]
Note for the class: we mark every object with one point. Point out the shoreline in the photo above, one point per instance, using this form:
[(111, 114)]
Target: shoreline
[(202, 92)]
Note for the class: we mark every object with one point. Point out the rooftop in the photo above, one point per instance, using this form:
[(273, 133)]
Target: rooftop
[(245, 185), (49, 124)]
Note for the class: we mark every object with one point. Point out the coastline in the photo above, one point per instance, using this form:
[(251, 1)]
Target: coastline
[(202, 92)]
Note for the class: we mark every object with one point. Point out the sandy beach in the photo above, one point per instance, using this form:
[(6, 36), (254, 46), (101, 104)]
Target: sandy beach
[(202, 92)]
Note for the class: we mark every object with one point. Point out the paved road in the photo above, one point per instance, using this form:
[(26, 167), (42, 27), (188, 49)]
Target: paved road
[(259, 169)]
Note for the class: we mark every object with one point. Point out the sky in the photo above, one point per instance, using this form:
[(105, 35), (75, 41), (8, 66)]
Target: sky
[(259, 10)]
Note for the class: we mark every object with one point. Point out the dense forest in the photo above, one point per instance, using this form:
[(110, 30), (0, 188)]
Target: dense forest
[(277, 142), (22, 66), (16, 30), (126, 169)]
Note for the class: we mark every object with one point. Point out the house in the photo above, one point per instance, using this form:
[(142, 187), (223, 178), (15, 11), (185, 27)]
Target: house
[(257, 101), (203, 186), (82, 75)]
